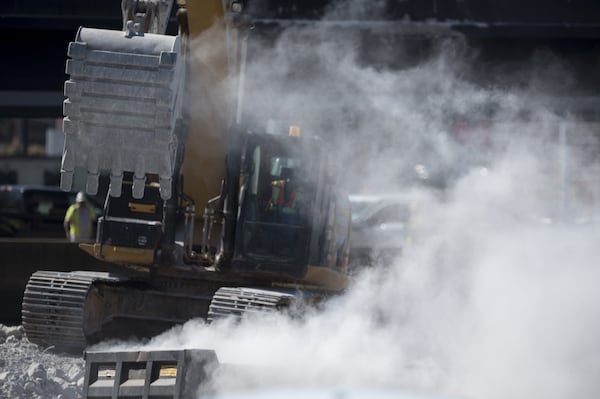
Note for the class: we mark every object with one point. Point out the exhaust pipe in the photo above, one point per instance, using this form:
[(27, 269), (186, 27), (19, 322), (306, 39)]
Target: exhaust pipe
[(210, 212), (188, 230)]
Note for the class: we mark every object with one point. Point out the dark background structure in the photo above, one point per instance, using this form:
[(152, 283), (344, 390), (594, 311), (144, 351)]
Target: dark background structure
[(34, 35)]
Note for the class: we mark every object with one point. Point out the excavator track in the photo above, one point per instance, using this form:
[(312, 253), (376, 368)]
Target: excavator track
[(238, 301), (53, 308)]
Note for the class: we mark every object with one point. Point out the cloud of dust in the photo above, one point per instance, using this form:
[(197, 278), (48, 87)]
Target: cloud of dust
[(496, 295)]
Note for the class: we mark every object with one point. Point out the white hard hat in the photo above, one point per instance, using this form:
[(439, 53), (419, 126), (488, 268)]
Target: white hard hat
[(80, 197)]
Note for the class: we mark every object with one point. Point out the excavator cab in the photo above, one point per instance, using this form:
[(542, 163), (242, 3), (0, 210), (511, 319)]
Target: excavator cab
[(286, 197), (274, 223)]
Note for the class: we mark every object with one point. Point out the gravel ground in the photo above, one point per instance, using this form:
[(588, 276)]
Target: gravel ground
[(28, 372)]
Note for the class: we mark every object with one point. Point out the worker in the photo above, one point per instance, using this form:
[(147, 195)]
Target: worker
[(283, 190), (285, 196), (79, 220)]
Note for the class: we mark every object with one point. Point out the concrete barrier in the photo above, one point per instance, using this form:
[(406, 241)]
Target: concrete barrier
[(19, 258)]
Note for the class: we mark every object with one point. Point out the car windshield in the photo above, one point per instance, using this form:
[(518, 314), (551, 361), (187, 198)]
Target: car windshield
[(359, 208), (375, 210), (10, 200), (47, 203)]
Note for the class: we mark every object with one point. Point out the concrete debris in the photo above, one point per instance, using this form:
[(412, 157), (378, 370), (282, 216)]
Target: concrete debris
[(27, 371), (36, 370)]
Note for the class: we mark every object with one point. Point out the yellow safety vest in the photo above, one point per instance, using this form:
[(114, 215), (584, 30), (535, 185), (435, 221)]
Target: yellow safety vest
[(79, 226)]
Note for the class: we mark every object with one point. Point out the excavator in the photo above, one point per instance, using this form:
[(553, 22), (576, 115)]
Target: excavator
[(170, 121), (156, 115)]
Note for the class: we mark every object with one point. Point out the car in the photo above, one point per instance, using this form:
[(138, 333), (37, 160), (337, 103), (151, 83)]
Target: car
[(31, 211), (380, 226)]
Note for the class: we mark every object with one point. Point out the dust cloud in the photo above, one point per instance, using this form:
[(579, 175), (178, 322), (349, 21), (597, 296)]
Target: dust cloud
[(496, 294)]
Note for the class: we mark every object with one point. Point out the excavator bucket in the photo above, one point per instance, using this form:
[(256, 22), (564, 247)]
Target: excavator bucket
[(147, 374), (123, 108)]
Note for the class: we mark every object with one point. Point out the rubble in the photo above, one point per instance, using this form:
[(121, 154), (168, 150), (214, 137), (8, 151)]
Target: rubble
[(26, 370)]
